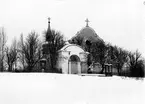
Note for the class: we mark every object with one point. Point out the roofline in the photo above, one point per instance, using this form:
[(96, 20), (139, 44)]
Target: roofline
[(88, 27), (71, 45)]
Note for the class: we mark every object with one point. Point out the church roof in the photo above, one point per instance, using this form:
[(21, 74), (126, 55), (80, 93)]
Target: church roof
[(89, 34), (69, 45), (87, 31)]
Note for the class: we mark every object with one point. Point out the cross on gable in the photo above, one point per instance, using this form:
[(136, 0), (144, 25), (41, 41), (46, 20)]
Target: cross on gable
[(87, 21)]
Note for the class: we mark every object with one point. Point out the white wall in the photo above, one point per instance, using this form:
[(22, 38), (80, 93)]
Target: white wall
[(65, 55)]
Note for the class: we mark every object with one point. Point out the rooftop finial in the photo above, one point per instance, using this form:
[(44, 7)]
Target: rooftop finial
[(87, 21), (49, 19), (49, 23)]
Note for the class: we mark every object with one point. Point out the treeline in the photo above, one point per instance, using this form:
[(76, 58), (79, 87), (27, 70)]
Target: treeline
[(125, 62), (24, 55)]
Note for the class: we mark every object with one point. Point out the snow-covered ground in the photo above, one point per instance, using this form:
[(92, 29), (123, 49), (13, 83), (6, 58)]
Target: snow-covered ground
[(46, 88)]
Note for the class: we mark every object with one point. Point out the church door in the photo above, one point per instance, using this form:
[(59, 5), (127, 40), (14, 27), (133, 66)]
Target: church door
[(74, 64)]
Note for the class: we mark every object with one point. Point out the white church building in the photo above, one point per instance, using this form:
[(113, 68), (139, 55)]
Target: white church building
[(72, 59)]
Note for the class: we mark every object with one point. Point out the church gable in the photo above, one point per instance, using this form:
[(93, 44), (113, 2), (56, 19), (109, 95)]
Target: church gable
[(72, 48)]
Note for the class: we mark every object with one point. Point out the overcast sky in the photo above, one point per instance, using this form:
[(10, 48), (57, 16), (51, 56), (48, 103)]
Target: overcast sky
[(120, 22)]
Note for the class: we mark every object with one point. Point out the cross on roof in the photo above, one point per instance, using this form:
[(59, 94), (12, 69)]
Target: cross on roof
[(87, 21)]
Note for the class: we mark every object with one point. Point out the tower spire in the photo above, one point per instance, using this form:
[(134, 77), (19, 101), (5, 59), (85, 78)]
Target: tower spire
[(48, 33), (87, 22), (48, 24)]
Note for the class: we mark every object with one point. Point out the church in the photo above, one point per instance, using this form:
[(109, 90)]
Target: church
[(72, 58)]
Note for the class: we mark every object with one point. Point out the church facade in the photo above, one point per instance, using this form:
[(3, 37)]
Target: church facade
[(72, 58)]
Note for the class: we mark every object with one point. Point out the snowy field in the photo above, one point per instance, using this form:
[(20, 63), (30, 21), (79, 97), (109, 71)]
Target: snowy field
[(46, 88)]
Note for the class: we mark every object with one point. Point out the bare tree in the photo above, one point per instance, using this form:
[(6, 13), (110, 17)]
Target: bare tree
[(121, 57), (77, 40), (2, 47), (21, 56), (55, 42), (134, 58), (136, 64), (11, 56), (31, 51), (98, 51)]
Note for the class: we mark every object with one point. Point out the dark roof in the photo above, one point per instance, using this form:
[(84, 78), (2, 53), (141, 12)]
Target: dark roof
[(89, 34)]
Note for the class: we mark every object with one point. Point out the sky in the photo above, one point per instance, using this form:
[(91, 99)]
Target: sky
[(120, 22)]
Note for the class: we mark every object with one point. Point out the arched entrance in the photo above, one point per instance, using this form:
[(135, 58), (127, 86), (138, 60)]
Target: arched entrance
[(74, 64)]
